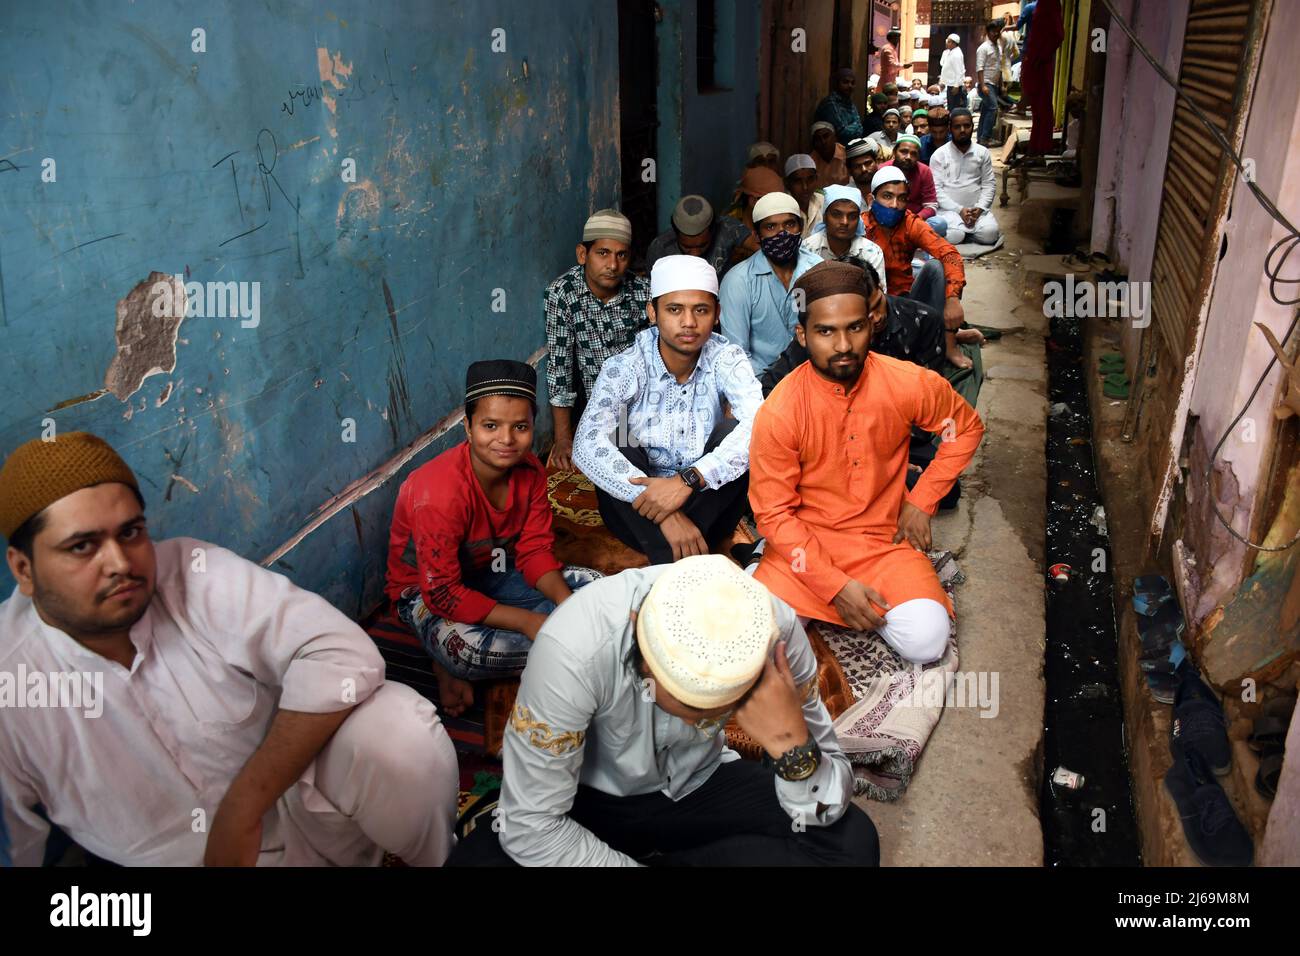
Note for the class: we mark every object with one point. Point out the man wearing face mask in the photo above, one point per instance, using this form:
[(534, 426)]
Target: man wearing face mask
[(758, 311), (899, 233)]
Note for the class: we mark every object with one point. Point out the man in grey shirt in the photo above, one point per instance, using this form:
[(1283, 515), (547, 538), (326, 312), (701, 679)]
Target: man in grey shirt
[(615, 753), (696, 231)]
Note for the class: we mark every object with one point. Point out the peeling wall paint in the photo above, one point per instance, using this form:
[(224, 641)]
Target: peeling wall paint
[(148, 324), (473, 174)]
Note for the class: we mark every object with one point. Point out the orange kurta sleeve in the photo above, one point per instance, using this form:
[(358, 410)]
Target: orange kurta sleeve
[(774, 477), (954, 269), (941, 410)]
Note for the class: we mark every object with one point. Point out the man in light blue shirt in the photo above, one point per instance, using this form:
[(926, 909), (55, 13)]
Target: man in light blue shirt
[(758, 309), (671, 470)]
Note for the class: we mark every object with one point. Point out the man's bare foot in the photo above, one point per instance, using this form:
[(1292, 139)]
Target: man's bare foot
[(956, 356), (454, 694), (970, 335)]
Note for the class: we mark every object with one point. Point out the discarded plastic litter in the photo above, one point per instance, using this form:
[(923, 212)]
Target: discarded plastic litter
[(1060, 573), (1058, 409), (1067, 778), (1098, 520)]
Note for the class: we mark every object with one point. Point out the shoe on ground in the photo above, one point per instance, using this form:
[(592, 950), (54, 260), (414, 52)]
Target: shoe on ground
[(746, 554), (1210, 824), (1198, 722)]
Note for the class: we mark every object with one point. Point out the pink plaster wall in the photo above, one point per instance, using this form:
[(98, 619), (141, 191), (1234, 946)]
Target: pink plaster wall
[(1137, 116), (1234, 352)]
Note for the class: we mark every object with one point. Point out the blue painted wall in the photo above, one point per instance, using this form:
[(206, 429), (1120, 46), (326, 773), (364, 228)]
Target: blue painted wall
[(714, 129), (475, 171)]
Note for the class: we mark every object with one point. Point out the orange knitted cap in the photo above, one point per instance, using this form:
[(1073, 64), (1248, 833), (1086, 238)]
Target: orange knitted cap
[(41, 472)]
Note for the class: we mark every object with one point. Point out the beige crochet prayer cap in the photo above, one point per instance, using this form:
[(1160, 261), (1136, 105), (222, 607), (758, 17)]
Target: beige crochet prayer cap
[(705, 630)]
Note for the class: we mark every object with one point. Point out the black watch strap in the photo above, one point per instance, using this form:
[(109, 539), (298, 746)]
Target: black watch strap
[(799, 763)]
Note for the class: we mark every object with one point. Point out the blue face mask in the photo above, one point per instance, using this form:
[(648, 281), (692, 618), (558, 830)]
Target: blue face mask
[(887, 217)]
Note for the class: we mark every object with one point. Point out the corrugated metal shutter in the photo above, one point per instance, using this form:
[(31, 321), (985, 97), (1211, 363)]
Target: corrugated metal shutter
[(1194, 193), (1220, 53)]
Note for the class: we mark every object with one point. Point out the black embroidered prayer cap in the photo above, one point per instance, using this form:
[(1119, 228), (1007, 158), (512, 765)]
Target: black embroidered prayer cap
[(501, 377)]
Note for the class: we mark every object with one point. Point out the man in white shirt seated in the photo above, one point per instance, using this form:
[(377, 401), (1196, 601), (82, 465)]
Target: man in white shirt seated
[(963, 181), (615, 753), (208, 711), (671, 470)]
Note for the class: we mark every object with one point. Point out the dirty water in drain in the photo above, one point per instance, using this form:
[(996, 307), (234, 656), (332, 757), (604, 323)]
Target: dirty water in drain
[(1085, 802)]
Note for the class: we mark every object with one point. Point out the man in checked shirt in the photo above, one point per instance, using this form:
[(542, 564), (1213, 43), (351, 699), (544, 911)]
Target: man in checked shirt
[(593, 310)]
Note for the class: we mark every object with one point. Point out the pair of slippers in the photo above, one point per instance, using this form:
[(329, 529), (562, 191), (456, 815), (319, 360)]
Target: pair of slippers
[(1268, 739), (1160, 626), (1114, 382)]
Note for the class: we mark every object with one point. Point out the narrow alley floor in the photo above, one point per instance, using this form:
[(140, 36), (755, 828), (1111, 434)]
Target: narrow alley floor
[(974, 798)]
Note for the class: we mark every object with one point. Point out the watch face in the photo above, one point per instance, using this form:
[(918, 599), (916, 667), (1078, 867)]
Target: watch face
[(801, 768)]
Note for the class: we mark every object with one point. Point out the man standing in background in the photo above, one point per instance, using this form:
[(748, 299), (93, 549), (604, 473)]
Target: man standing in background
[(952, 70), (889, 59)]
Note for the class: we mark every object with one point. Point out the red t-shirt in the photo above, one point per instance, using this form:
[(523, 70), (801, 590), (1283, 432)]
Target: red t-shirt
[(444, 528)]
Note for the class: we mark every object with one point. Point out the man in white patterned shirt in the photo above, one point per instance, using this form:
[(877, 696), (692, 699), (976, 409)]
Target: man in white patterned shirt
[(671, 472)]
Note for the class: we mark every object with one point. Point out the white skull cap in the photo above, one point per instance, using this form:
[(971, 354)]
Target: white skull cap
[(705, 631)]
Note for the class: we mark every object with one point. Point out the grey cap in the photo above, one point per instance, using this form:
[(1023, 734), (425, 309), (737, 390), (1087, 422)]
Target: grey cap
[(692, 215)]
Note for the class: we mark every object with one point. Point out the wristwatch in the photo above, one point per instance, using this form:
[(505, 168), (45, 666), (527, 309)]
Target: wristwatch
[(799, 763), (694, 480)]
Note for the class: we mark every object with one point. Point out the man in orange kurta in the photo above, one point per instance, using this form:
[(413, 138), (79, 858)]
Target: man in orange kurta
[(845, 539)]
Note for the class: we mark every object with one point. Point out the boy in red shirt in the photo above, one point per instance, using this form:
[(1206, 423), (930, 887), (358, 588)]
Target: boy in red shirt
[(471, 563)]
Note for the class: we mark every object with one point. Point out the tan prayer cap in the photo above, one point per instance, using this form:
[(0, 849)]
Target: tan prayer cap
[(705, 630), (41, 472), (775, 204), (607, 224)]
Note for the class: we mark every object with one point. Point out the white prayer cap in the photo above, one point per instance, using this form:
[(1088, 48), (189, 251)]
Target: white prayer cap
[(705, 631), (799, 161), (675, 273), (938, 99), (761, 149), (822, 124), (774, 204), (954, 38), (886, 174)]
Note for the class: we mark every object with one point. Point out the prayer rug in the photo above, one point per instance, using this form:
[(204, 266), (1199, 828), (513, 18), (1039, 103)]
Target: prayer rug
[(897, 703), (973, 250), (407, 663), (581, 538)]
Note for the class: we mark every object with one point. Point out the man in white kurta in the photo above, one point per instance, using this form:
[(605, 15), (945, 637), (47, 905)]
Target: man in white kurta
[(198, 710), (964, 184)]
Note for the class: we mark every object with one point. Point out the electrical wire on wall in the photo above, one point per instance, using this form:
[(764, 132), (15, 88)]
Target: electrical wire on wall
[(1281, 250)]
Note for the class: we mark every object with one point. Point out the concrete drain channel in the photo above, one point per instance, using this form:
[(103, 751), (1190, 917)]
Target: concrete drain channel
[(1085, 804)]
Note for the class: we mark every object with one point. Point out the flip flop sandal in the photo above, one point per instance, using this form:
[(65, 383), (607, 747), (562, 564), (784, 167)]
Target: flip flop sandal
[(1116, 386), (1270, 771), (1162, 687), (1267, 733), (1150, 591), (989, 333), (1160, 631), (1111, 362)]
